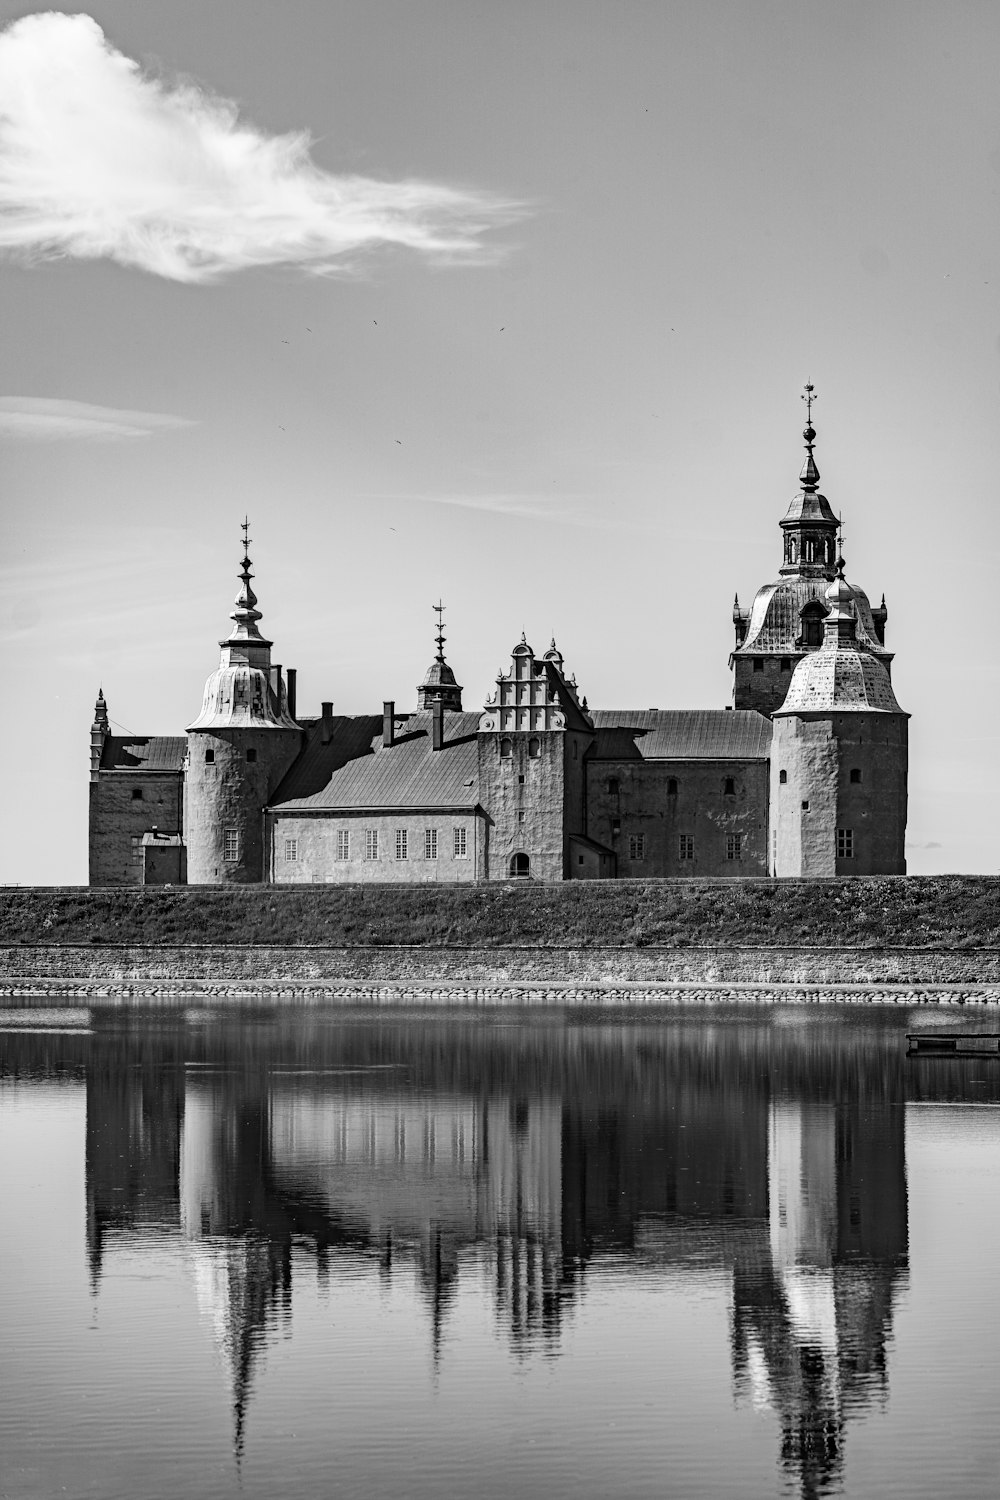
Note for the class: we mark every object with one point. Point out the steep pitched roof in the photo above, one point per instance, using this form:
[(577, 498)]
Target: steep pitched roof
[(681, 734), (143, 753), (354, 770)]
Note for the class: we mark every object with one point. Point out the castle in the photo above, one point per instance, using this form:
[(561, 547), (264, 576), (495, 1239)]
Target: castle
[(804, 776)]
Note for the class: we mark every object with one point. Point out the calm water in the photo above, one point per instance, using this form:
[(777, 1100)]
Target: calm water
[(310, 1253)]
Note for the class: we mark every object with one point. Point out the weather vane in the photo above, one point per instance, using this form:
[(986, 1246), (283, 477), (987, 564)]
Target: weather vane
[(245, 528), (438, 609), (809, 398)]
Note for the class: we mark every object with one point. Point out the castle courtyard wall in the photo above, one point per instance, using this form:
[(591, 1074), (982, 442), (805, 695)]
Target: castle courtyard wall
[(644, 806)]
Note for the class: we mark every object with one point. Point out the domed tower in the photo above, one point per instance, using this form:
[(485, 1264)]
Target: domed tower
[(785, 621), (439, 685), (839, 757), (239, 748)]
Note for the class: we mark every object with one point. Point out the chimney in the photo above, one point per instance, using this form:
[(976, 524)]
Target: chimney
[(388, 715), (437, 724), (290, 696), (327, 732)]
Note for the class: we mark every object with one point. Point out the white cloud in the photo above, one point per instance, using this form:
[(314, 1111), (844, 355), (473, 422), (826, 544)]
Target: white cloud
[(34, 419), (97, 160)]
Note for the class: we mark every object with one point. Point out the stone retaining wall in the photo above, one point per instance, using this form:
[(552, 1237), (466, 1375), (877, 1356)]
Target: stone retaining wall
[(522, 976)]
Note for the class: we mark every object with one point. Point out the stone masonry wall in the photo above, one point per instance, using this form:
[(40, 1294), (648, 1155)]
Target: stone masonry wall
[(760, 967)]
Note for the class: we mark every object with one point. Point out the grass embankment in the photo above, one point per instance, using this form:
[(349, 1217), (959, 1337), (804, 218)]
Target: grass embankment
[(941, 911)]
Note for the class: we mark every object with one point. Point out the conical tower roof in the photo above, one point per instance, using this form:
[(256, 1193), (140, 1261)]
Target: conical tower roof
[(842, 676)]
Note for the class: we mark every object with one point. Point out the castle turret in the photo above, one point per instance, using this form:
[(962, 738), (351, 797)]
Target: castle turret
[(786, 619), (99, 731), (439, 686), (839, 757), (239, 747)]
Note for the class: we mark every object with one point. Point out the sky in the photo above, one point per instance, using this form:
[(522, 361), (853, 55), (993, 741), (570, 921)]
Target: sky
[(508, 305)]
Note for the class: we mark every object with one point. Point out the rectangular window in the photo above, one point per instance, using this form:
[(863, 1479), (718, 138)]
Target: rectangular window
[(137, 794), (231, 845), (758, 664), (400, 843), (734, 846), (686, 846), (251, 755), (291, 849), (371, 843), (137, 851), (845, 843), (343, 843), (637, 846), (430, 843), (461, 844)]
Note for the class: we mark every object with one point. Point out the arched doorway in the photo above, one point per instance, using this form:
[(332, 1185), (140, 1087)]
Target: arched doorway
[(520, 865)]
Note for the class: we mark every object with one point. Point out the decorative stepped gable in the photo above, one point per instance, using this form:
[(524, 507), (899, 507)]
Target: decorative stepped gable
[(535, 695), (786, 619)]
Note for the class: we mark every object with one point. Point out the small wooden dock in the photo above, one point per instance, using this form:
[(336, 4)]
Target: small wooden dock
[(934, 1043)]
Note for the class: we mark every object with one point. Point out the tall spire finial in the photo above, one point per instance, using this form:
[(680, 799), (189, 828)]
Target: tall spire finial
[(246, 614), (810, 473), (438, 609)]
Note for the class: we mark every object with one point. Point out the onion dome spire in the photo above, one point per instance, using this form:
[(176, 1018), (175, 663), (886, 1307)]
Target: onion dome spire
[(439, 685), (246, 614), (809, 524), (247, 691)]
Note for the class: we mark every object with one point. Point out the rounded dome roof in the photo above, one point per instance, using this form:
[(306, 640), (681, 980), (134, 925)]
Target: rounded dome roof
[(439, 674), (241, 697), (840, 677), (776, 615)]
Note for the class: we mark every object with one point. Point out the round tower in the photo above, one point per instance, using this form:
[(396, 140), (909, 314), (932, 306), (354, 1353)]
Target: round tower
[(239, 748), (839, 758)]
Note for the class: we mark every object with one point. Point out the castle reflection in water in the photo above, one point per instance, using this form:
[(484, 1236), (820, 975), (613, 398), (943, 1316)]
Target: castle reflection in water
[(541, 1158)]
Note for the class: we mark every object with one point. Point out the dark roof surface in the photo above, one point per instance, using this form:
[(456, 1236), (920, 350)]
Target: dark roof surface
[(355, 770), (145, 753), (681, 734)]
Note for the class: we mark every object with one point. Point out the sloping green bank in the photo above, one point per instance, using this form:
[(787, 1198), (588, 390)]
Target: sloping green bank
[(942, 911)]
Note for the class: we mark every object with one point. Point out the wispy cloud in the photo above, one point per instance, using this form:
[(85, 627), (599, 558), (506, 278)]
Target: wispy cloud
[(584, 510), (36, 420), (98, 160)]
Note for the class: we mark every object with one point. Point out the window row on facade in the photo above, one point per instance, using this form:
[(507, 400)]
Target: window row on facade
[(638, 848), (402, 844), (614, 786), (855, 778)]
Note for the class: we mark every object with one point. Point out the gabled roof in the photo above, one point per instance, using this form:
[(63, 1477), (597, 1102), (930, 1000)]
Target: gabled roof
[(354, 770), (681, 734), (143, 753)]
